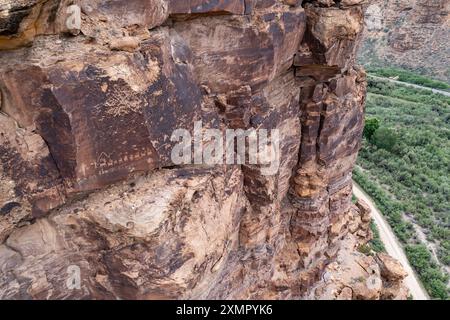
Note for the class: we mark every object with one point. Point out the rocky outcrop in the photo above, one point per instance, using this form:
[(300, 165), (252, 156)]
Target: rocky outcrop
[(408, 34), (359, 275), (159, 236), (89, 187)]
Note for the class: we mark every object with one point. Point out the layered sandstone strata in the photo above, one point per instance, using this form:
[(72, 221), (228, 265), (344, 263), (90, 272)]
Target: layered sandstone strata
[(87, 178), (412, 34)]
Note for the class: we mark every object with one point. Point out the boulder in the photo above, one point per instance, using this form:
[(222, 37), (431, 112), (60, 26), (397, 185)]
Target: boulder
[(391, 269)]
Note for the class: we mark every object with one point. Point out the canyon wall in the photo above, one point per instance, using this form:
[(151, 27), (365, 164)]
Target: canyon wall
[(88, 183), (412, 34)]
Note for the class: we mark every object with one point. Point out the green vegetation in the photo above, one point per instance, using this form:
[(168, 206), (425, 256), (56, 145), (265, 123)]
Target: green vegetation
[(376, 243), (391, 208), (406, 94), (365, 249), (385, 138), (404, 166), (372, 125), (433, 279), (408, 76)]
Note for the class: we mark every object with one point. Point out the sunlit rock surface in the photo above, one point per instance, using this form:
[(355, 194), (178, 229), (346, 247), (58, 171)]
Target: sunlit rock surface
[(87, 178)]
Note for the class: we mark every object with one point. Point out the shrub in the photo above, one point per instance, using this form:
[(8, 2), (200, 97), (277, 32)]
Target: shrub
[(372, 125), (365, 249), (432, 277), (385, 138), (376, 243)]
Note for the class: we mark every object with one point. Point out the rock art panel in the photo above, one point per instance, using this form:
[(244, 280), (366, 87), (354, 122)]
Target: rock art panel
[(92, 206)]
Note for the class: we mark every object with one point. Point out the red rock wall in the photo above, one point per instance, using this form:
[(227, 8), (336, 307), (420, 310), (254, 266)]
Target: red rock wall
[(86, 174), (411, 34)]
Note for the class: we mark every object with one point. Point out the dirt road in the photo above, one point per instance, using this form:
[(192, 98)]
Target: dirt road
[(445, 93), (393, 247)]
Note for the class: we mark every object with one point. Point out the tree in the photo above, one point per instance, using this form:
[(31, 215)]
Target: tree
[(384, 138), (372, 125)]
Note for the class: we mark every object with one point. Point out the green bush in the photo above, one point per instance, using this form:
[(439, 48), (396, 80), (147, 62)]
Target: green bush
[(385, 138), (365, 249), (432, 277), (376, 243), (372, 125)]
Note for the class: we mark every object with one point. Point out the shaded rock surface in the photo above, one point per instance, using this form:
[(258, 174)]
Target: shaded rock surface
[(87, 178)]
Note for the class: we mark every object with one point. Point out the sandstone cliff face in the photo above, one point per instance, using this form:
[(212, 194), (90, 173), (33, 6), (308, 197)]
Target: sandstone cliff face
[(86, 174), (412, 34)]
